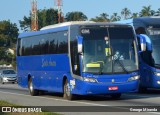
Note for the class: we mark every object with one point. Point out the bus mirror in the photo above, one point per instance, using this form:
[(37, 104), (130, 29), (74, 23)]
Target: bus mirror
[(142, 42), (143, 47), (145, 42), (80, 42)]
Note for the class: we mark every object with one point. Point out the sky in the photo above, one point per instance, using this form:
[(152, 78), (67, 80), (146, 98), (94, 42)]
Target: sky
[(15, 10)]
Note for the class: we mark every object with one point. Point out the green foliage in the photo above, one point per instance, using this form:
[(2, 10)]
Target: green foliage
[(8, 33), (8, 38), (125, 13), (157, 13), (75, 16), (102, 18), (45, 17), (135, 15), (146, 11), (25, 24), (115, 17)]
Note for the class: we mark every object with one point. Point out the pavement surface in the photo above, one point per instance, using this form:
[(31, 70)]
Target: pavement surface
[(84, 105)]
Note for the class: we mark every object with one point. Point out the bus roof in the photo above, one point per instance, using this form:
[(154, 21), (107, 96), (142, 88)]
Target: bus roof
[(65, 26), (152, 20)]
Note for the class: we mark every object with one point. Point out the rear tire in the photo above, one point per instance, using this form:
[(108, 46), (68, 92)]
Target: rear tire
[(116, 95), (32, 91), (67, 92)]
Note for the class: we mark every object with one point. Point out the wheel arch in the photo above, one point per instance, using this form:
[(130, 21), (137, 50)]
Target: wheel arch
[(64, 79)]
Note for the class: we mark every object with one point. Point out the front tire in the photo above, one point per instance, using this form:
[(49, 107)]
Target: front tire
[(67, 91), (32, 91), (2, 81)]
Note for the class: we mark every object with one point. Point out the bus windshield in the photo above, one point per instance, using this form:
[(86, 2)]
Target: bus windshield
[(109, 50), (154, 35)]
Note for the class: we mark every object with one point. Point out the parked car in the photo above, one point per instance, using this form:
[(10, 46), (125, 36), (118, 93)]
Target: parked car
[(8, 76)]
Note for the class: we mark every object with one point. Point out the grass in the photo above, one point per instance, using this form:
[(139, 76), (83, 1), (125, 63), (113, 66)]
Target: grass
[(5, 103)]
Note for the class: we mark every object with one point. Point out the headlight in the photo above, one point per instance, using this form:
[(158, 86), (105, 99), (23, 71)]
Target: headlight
[(134, 78), (158, 82), (5, 78), (90, 79), (157, 74)]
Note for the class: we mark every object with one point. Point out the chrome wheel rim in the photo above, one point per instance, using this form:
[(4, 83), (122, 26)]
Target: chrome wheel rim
[(67, 90)]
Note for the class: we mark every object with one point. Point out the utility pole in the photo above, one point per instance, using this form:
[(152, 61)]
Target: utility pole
[(58, 4), (34, 17)]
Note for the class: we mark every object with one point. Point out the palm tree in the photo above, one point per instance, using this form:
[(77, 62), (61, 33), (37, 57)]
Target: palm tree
[(115, 17), (125, 13), (146, 11), (135, 15), (102, 18), (157, 13)]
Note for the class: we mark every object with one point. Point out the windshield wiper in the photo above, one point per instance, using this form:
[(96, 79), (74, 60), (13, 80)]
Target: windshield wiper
[(124, 69)]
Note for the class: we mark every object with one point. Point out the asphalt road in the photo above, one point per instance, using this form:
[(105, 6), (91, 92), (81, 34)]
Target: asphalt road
[(17, 95)]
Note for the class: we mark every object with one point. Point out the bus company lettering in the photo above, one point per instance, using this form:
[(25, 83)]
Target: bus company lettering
[(46, 63), (85, 31)]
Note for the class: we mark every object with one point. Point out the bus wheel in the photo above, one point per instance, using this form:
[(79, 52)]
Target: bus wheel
[(2, 81), (66, 91), (116, 95), (32, 91)]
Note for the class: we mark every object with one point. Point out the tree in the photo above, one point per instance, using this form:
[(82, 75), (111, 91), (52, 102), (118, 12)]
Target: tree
[(126, 13), (75, 16), (8, 33), (157, 13), (102, 18), (45, 17), (115, 17), (8, 38), (146, 11), (135, 15)]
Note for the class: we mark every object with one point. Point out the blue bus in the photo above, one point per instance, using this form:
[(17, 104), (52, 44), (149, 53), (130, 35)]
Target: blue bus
[(148, 32), (79, 58)]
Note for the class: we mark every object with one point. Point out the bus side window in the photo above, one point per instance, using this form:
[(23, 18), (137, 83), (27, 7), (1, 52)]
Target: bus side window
[(19, 48)]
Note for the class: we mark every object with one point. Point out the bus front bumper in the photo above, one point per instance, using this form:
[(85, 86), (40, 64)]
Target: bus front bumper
[(87, 88)]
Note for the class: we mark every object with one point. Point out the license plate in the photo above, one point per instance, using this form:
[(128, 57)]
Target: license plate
[(113, 88)]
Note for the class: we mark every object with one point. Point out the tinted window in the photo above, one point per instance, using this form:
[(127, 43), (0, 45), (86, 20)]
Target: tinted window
[(19, 49), (54, 43), (62, 42)]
